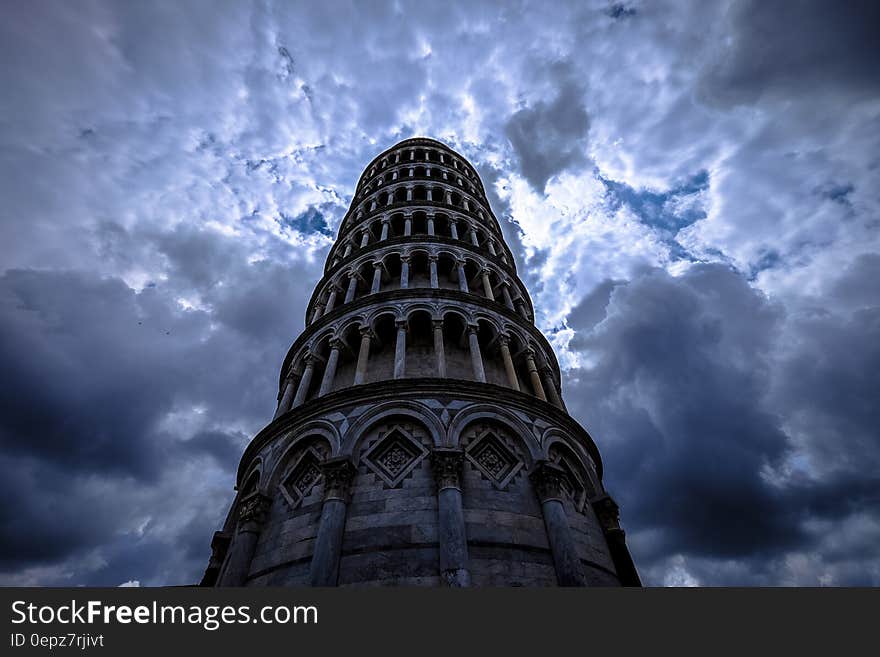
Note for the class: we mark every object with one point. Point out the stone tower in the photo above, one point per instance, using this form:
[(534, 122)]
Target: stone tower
[(420, 436)]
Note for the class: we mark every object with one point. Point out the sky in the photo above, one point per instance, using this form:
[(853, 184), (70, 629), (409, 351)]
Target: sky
[(690, 190)]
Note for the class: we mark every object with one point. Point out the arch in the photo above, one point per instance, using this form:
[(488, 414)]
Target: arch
[(411, 409), (315, 430), (250, 482), (502, 416)]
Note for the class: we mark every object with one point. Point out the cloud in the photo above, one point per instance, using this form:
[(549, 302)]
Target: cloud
[(688, 190)]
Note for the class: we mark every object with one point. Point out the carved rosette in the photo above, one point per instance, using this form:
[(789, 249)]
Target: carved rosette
[(338, 475), (447, 464), (608, 513), (253, 511), (548, 480)]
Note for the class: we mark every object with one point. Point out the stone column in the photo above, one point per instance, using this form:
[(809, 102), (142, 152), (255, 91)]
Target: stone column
[(533, 375), (432, 265), (429, 194), (431, 225), (409, 190), (462, 279), (487, 285), (476, 356), (547, 481), (550, 387), (521, 308), (505, 293), (252, 513), (490, 244), (439, 350), (338, 475), (474, 240), (447, 464), (352, 287), (287, 395), (330, 367), (319, 310), (304, 382), (219, 548), (400, 350), (365, 238), (404, 272), (347, 250), (331, 300), (608, 515), (407, 226), (453, 229), (385, 224), (508, 362), (360, 373), (377, 277)]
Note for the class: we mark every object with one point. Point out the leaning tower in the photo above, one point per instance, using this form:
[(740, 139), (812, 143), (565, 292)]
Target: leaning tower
[(420, 436)]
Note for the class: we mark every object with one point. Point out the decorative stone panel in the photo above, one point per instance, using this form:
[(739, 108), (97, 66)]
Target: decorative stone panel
[(488, 453), (395, 455)]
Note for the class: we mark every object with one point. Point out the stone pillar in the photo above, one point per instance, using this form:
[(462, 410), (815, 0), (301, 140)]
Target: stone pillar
[(385, 224), (252, 513), (219, 548), (505, 294), (447, 464), (352, 287), (474, 239), (347, 250), (521, 308), (508, 362), (439, 349), (550, 387), (400, 350), (432, 265), (407, 226), (547, 481), (287, 395), (319, 310), (365, 238), (331, 300), (533, 375), (608, 515), (490, 244), (304, 382), (330, 368), (338, 475), (360, 373), (448, 198), (453, 229), (404, 272), (487, 285), (409, 190), (431, 225), (377, 277), (462, 279), (476, 356), (429, 194)]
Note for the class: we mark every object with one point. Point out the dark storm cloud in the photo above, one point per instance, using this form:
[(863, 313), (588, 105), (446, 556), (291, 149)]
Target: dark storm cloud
[(690, 392), (550, 136), (796, 48)]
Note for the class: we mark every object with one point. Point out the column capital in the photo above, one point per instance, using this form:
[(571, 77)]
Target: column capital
[(608, 513), (338, 474), (548, 479), (253, 510), (385, 221), (472, 328), (335, 343), (366, 332), (433, 257), (401, 324), (437, 323), (405, 257), (503, 339), (486, 271), (310, 358), (377, 264), (447, 463)]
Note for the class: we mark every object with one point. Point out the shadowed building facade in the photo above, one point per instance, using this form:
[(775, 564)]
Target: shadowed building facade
[(420, 436)]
